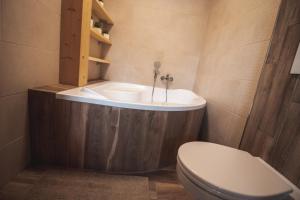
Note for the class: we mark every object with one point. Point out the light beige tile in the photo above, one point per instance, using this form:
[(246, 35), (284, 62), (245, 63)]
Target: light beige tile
[(224, 127), (29, 57), (145, 31), (13, 118), (218, 124), (261, 30), (235, 130), (248, 61), (29, 22), (244, 97), (24, 67), (235, 48), (53, 5), (94, 71), (1, 11), (14, 157), (225, 92)]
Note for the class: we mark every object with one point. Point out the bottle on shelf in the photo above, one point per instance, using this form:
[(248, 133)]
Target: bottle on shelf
[(99, 26), (105, 34), (92, 22), (101, 2)]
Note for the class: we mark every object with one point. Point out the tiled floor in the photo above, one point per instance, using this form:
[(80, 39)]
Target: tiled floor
[(161, 185)]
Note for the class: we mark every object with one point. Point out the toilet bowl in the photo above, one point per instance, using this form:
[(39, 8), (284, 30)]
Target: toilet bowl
[(215, 172)]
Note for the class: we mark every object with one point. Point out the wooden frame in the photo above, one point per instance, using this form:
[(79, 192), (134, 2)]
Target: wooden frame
[(111, 139), (76, 32), (273, 128)]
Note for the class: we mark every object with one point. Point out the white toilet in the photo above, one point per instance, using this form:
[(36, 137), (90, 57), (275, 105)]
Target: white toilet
[(215, 172)]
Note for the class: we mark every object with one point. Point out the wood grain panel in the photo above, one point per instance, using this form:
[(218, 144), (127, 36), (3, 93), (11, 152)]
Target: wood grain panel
[(273, 128), (70, 35), (101, 128), (75, 41), (107, 138), (40, 113)]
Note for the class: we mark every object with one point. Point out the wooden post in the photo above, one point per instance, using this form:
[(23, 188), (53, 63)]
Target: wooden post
[(75, 41)]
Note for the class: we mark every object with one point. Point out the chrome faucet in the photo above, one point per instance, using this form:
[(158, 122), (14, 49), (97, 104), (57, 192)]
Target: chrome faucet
[(168, 78), (156, 72)]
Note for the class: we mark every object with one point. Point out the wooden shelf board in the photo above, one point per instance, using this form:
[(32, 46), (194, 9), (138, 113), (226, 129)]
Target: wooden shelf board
[(101, 12), (92, 81), (98, 60), (99, 37)]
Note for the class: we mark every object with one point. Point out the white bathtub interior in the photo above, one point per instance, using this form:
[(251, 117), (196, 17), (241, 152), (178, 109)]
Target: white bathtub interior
[(136, 96)]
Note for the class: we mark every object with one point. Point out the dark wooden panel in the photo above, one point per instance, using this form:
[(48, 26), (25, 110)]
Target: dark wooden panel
[(62, 121), (108, 138), (273, 127), (41, 120), (296, 97), (140, 138), (101, 128), (285, 155), (180, 128), (70, 36)]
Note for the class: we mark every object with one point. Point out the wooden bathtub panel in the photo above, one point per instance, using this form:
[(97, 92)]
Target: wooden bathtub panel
[(101, 128), (70, 125), (182, 127), (156, 127), (62, 120), (82, 135), (273, 131), (41, 120), (140, 139)]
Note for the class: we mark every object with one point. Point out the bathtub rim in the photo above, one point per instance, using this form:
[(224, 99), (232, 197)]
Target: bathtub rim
[(70, 95)]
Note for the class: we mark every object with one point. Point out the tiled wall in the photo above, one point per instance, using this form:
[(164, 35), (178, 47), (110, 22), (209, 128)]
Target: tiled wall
[(145, 31), (236, 43), (29, 57)]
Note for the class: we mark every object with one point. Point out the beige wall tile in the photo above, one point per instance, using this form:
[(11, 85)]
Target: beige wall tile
[(53, 5), (26, 67), (236, 44), (146, 31), (14, 157), (31, 23), (217, 124), (235, 130), (223, 126), (1, 20), (13, 118), (29, 57)]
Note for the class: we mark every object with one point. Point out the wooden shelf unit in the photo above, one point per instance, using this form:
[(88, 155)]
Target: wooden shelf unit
[(98, 60), (99, 37), (101, 13), (76, 37)]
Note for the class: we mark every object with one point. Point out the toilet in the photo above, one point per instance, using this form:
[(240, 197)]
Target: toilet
[(215, 172)]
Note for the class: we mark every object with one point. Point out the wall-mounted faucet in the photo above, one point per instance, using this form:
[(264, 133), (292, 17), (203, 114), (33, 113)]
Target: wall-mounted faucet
[(156, 72), (168, 78)]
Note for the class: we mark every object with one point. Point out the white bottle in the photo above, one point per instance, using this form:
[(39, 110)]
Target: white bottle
[(106, 35), (92, 23), (101, 3)]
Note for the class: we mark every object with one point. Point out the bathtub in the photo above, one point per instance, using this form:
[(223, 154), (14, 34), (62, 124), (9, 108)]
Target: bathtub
[(134, 96), (116, 128)]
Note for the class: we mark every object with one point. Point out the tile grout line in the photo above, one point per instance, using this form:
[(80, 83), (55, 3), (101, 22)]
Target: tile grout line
[(58, 13), (13, 94), (29, 46), (11, 142), (1, 19)]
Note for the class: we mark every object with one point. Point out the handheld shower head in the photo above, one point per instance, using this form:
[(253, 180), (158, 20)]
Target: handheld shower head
[(157, 65), (156, 72)]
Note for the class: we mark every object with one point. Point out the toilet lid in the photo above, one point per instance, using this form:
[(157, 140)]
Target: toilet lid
[(230, 171)]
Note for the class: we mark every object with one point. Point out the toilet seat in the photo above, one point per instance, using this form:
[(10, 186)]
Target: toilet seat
[(229, 173)]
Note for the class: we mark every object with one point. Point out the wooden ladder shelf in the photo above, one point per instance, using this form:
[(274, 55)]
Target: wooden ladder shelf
[(75, 55)]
